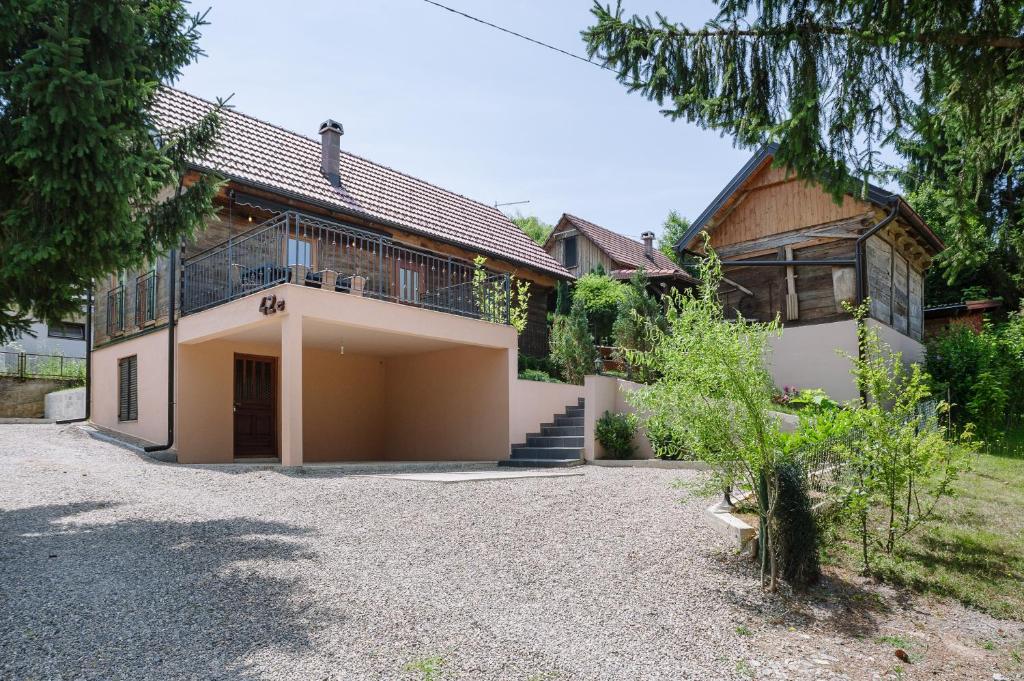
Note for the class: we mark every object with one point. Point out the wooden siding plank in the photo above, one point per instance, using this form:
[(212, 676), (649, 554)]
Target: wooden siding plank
[(879, 257)]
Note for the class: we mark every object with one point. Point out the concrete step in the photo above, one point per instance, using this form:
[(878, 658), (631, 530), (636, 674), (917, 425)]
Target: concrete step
[(574, 411), (561, 420), (538, 440), (550, 430), (527, 452), (540, 463)]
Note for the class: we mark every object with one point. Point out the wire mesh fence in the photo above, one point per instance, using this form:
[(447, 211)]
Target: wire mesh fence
[(23, 365)]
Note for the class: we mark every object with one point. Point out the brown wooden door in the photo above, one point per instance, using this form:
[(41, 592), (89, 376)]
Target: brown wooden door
[(255, 406)]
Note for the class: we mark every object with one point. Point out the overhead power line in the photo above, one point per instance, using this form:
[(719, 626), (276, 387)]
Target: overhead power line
[(518, 35)]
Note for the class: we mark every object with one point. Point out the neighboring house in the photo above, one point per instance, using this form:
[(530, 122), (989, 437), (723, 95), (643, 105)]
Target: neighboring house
[(65, 338), (970, 313), (582, 246), (331, 313), (790, 251), (44, 351)]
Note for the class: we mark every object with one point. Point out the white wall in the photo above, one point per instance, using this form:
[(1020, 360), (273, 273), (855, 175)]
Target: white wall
[(809, 357), (912, 350)]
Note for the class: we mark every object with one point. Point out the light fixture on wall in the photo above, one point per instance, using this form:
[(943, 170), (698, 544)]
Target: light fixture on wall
[(341, 347)]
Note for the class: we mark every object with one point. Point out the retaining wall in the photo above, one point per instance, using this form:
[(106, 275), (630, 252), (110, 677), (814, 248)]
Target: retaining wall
[(65, 404), (25, 398)]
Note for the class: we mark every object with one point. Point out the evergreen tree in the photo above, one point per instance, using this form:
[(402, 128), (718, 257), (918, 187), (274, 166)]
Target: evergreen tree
[(88, 185), (836, 83)]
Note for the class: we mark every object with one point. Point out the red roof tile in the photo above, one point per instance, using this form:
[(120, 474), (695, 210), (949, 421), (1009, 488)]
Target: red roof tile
[(628, 254), (267, 156)]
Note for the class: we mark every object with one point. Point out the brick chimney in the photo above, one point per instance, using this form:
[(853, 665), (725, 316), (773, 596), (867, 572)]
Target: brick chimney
[(330, 150), (648, 238)]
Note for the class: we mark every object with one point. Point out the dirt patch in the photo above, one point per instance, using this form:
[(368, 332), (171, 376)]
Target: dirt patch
[(850, 627)]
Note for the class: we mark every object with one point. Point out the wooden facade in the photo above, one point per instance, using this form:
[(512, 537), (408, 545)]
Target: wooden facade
[(773, 215), (588, 256), (117, 298)]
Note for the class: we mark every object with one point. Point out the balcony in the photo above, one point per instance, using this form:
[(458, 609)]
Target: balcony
[(311, 251)]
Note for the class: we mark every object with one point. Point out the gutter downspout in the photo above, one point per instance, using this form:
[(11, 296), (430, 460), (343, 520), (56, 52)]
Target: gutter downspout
[(860, 247), (88, 361), (171, 279)]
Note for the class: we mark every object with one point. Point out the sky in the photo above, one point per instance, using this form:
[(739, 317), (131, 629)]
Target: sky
[(468, 108)]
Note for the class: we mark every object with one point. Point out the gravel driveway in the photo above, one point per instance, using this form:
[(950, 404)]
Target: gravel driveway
[(115, 567)]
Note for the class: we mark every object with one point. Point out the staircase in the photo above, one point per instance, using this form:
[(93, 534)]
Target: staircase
[(557, 445)]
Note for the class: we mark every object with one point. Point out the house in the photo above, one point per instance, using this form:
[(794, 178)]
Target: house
[(970, 313), (331, 312), (790, 251), (45, 348), (581, 246)]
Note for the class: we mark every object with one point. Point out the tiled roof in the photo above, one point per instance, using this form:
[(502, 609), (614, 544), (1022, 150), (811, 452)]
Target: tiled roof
[(255, 152), (628, 254)]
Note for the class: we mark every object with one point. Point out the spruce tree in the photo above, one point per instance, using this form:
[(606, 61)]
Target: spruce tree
[(88, 185)]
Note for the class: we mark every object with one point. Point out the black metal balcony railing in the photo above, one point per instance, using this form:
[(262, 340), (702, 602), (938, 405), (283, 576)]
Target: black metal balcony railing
[(145, 298), (115, 310), (327, 254)]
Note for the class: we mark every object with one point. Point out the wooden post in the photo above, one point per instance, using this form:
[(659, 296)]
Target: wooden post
[(792, 303)]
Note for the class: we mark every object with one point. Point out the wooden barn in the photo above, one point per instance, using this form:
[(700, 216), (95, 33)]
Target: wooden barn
[(790, 251)]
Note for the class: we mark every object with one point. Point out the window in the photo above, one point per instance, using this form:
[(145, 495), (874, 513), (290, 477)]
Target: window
[(408, 285), (128, 389), (69, 330), (145, 298), (300, 252), (569, 256)]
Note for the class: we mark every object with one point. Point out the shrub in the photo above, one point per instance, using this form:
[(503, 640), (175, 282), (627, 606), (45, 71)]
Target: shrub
[(714, 392), (600, 296), (537, 375), (796, 531), (903, 463), (666, 442), (615, 433), (572, 346), (544, 364), (981, 374), (638, 314)]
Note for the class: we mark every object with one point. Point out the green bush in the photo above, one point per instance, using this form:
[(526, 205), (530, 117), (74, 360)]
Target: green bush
[(572, 346), (981, 374), (639, 319), (600, 296), (527, 362), (615, 433), (666, 442), (536, 375)]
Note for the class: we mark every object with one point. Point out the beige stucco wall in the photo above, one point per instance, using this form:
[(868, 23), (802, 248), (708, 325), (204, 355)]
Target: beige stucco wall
[(809, 357), (912, 350), (151, 350), (205, 423), (448, 405), (343, 407), (607, 393), (535, 402)]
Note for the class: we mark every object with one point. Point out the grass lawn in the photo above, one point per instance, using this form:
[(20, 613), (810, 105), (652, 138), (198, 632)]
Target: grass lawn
[(974, 549)]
